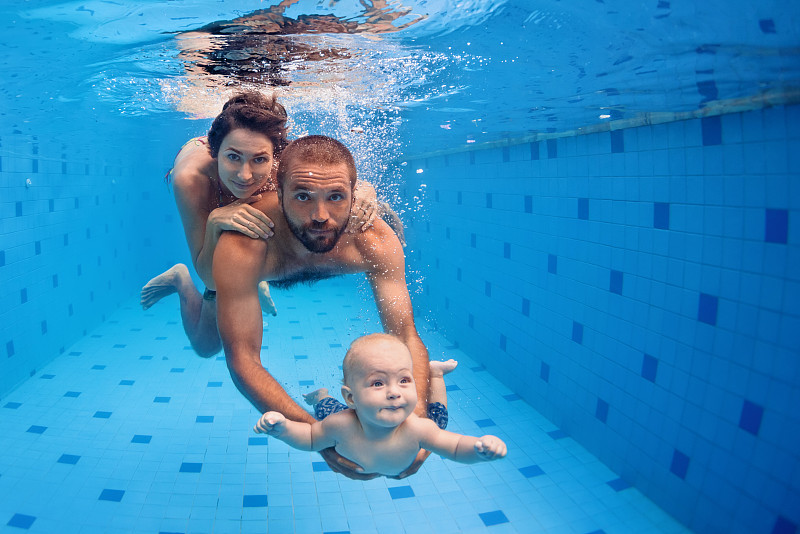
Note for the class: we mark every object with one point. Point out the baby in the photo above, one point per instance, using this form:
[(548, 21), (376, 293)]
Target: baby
[(380, 432)]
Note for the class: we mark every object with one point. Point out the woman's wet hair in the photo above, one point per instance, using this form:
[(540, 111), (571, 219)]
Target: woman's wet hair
[(252, 111), (320, 150)]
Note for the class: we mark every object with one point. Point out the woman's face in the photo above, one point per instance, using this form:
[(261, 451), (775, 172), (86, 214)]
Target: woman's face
[(245, 162)]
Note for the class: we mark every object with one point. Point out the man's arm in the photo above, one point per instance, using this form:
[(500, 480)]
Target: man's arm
[(387, 276), (237, 265)]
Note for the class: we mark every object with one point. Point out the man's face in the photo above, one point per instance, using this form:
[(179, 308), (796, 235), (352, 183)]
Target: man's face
[(316, 202)]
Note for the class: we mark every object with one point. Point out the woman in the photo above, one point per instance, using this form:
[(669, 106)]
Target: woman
[(215, 179)]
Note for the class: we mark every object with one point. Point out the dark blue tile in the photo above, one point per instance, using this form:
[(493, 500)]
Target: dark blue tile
[(512, 397), (707, 309), (528, 203), (708, 91), (483, 423), (98, 367), (600, 531), (680, 464), (47, 377), (120, 346), (712, 130), (535, 150), (488, 200), (649, 368), (544, 372), (335, 345), (531, 471), (615, 282), (306, 382), (204, 419), (495, 517), (254, 501), (617, 141), (162, 400), (784, 526), (21, 521), (177, 370), (258, 441), (320, 467), (767, 25), (661, 215), (552, 148), (71, 459), (12, 405), (473, 240), (526, 307), (452, 387), (552, 264), (618, 484), (750, 418), (126, 382), (577, 332), (401, 492), (191, 467), (36, 429), (776, 226), (297, 337), (601, 410), (301, 356), (583, 208), (102, 415), (111, 495), (72, 394), (215, 384), (557, 434), (10, 349), (503, 342), (141, 438), (507, 251), (146, 357)]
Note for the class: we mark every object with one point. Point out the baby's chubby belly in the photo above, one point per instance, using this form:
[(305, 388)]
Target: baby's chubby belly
[(387, 461)]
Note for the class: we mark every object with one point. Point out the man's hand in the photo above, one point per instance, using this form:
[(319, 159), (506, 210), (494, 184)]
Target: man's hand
[(422, 455), (343, 466)]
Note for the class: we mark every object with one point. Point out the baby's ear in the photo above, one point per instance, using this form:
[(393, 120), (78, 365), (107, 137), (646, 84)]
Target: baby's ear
[(347, 395)]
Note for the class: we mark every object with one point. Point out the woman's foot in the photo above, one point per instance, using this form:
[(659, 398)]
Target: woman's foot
[(439, 369), (315, 396), (165, 284)]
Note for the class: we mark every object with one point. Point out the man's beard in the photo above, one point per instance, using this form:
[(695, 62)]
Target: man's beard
[(315, 244)]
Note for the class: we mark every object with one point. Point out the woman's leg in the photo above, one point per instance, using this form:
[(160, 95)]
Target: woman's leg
[(199, 315)]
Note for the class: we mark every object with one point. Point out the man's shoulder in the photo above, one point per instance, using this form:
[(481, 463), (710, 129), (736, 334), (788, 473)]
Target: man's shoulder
[(378, 245)]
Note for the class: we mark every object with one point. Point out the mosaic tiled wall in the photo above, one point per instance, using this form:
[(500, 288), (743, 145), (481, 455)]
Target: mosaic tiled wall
[(641, 288), (79, 222)]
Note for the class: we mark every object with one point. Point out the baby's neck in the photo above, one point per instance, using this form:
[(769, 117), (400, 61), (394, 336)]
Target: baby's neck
[(378, 433)]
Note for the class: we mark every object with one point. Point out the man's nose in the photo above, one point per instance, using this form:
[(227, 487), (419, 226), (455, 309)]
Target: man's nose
[(320, 212)]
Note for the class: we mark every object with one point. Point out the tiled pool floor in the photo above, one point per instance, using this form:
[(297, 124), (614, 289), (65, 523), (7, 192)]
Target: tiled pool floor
[(129, 431)]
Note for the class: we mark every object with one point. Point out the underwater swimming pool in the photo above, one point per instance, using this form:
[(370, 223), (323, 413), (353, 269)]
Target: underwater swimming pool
[(601, 204)]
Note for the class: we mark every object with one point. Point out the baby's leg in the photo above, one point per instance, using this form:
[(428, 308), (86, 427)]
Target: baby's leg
[(437, 391), (324, 404), (315, 396)]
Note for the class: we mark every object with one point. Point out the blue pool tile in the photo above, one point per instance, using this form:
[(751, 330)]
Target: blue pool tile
[(649, 368), (583, 208), (711, 128), (531, 471), (495, 517), (707, 309), (71, 459), (557, 434), (146, 357), (141, 438), (47, 377), (661, 215), (750, 418), (784, 526), (577, 332), (98, 367), (618, 484), (601, 411), (306, 382), (254, 501), (73, 394), (301, 356), (335, 345), (776, 226), (600, 531), (483, 423), (10, 349), (162, 400), (36, 429), (617, 141), (544, 372), (528, 204), (204, 419), (767, 25), (126, 382), (177, 370), (535, 150), (102, 415), (21, 521), (191, 467), (512, 397), (320, 467), (12, 405), (120, 346), (112, 495), (552, 148), (615, 282), (452, 387), (401, 492), (526, 307), (680, 464), (258, 441), (215, 384)]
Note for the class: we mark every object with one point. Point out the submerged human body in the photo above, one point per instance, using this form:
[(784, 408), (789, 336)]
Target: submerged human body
[(380, 432), (216, 179)]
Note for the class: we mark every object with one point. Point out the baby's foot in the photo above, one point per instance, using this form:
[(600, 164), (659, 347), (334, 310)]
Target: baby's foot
[(315, 396), (164, 284), (439, 369), (267, 304)]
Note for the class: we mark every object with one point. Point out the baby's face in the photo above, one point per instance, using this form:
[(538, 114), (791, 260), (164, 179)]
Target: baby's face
[(383, 388)]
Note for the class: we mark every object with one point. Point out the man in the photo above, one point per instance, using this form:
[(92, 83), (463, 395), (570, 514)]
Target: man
[(316, 178)]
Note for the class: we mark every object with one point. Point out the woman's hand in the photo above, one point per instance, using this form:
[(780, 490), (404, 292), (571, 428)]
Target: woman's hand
[(365, 208), (243, 218)]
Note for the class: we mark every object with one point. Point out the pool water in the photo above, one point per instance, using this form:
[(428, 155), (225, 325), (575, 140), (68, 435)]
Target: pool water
[(130, 431)]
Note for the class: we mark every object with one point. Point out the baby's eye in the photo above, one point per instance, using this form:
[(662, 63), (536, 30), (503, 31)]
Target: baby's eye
[(405, 380), (377, 384)]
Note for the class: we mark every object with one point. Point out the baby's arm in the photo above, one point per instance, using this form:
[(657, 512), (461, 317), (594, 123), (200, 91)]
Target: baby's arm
[(457, 447), (303, 436)]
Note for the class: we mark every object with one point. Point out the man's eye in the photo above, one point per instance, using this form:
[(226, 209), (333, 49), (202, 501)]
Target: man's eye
[(336, 197), (301, 196)]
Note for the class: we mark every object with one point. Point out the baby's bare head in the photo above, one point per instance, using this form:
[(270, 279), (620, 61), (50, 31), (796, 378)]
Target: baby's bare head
[(368, 351)]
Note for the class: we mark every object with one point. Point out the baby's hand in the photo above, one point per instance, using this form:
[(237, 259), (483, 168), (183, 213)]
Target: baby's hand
[(490, 448), (272, 423)]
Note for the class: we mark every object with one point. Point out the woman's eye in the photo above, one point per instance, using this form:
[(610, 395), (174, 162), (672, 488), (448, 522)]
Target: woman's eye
[(232, 157), (260, 160)]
